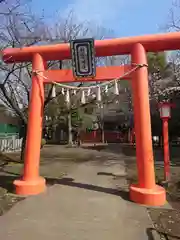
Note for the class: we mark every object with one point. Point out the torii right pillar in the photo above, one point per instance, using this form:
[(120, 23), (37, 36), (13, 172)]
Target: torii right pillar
[(145, 191)]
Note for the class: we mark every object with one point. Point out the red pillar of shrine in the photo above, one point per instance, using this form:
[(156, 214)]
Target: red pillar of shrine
[(31, 183), (146, 191), (166, 149)]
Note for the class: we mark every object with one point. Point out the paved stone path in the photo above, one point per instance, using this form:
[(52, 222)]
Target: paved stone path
[(85, 205)]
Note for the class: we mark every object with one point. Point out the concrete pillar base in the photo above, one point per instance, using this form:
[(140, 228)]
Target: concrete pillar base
[(149, 197), (32, 187)]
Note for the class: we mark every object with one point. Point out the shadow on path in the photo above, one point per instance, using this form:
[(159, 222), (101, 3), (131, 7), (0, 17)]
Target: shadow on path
[(106, 174), (125, 149), (112, 174), (70, 182), (6, 182)]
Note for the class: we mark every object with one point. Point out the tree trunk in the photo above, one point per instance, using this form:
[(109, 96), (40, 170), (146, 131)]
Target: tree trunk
[(23, 148), (70, 140), (102, 136), (23, 135), (102, 122)]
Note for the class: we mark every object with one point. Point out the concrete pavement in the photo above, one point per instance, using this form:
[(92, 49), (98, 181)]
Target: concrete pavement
[(85, 205)]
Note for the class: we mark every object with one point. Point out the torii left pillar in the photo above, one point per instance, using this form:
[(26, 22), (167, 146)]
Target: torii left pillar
[(31, 183)]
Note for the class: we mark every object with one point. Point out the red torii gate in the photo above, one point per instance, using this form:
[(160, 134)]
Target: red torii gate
[(146, 191)]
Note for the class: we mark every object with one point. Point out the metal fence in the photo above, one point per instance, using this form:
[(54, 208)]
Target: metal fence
[(10, 143)]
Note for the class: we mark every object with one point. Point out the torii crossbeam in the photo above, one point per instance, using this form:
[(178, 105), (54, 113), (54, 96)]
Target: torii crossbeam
[(145, 191)]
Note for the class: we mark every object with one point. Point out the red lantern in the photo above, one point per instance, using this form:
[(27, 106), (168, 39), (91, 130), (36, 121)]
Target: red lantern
[(165, 110)]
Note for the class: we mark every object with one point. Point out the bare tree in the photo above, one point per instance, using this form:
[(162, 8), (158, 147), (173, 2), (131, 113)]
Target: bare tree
[(173, 66), (18, 28), (173, 23)]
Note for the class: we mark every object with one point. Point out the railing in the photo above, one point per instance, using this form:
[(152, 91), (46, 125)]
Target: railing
[(10, 143)]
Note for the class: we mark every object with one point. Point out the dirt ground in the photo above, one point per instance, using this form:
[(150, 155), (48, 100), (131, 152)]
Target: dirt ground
[(55, 166)]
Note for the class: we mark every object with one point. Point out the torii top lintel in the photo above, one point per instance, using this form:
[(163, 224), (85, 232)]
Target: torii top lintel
[(108, 47)]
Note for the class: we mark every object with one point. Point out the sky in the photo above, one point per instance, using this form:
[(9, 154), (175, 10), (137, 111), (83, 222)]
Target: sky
[(123, 17)]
